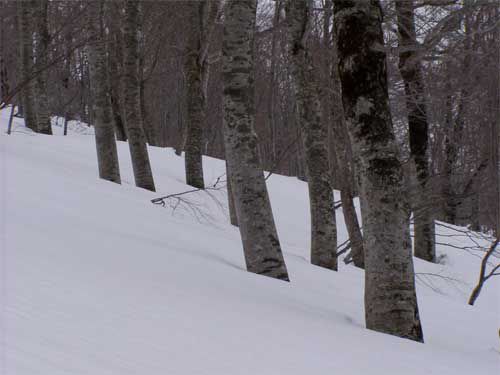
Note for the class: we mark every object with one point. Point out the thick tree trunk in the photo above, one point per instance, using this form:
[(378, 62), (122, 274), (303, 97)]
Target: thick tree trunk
[(107, 156), (25, 20), (410, 68), (42, 50), (195, 99), (133, 120), (390, 296), (258, 232), (314, 133)]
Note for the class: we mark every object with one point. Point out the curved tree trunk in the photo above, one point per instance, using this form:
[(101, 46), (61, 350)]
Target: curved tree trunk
[(41, 51), (255, 218), (107, 156), (410, 68), (25, 20), (390, 296), (133, 120), (314, 133)]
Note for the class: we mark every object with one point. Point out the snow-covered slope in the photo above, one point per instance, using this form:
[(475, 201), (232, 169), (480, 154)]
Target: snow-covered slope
[(95, 279)]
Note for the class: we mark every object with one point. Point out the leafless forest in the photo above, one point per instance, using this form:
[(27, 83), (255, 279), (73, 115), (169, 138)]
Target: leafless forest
[(396, 102)]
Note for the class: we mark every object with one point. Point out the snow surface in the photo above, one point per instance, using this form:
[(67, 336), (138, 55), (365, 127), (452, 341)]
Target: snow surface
[(95, 279)]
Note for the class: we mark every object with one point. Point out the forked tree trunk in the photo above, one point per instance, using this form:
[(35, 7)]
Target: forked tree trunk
[(133, 121), (107, 156), (41, 51), (255, 218), (410, 68), (25, 41), (390, 296), (314, 133)]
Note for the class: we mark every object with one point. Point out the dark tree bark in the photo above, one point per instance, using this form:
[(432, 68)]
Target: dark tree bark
[(410, 68), (344, 159), (195, 102), (25, 22), (107, 156), (115, 67), (133, 120), (233, 218), (314, 133), (390, 296), (41, 52), (255, 218)]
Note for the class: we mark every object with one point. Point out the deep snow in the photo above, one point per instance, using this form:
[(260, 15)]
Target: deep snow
[(95, 279)]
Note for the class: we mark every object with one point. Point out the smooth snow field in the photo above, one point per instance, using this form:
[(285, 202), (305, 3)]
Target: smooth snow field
[(97, 280)]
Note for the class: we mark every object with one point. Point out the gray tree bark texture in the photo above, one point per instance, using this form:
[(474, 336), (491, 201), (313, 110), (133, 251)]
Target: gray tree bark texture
[(233, 219), (314, 133), (133, 120), (390, 297), (261, 245), (410, 68), (107, 155), (344, 157), (41, 51), (25, 20), (195, 100), (115, 66)]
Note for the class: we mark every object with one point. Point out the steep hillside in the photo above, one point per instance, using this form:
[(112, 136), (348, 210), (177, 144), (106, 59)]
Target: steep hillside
[(95, 279)]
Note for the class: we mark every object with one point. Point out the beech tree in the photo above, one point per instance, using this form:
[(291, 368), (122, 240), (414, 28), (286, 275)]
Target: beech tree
[(107, 156), (202, 17), (390, 296), (133, 115), (314, 133), (255, 218), (40, 9), (409, 66), (25, 23)]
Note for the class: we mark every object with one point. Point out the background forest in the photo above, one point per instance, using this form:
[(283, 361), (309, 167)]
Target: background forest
[(374, 124)]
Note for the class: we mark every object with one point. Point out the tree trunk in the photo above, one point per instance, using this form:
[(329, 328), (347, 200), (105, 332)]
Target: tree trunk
[(25, 20), (410, 68), (258, 232), (344, 161), (195, 100), (107, 156), (233, 219), (390, 296), (41, 51), (314, 133), (133, 120), (115, 62)]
